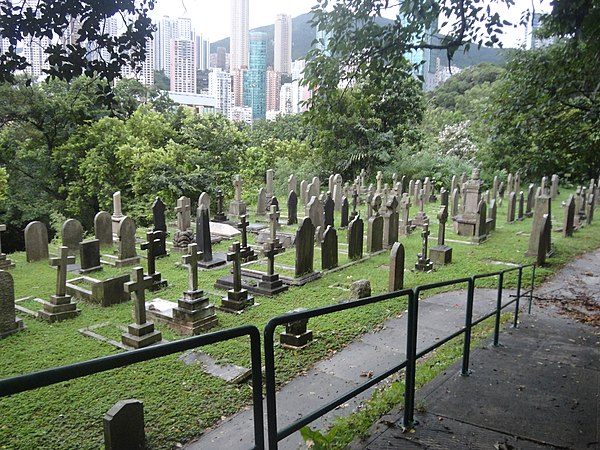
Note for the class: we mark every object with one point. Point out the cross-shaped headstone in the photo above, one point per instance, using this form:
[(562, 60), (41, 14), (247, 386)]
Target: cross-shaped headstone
[(237, 188), (243, 227), (274, 221), (219, 202), (138, 288), (191, 259), (270, 251), (425, 235), (442, 218), (61, 264), (183, 213), (151, 246), (235, 257)]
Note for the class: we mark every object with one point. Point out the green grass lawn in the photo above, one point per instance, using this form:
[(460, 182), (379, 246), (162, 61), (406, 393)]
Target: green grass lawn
[(181, 400)]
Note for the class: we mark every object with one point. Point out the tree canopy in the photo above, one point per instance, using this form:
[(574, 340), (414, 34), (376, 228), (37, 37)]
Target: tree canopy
[(80, 41)]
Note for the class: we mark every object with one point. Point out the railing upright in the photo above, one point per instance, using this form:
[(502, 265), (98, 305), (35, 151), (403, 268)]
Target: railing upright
[(468, 327), (411, 357), (531, 288), (498, 309), (519, 281)]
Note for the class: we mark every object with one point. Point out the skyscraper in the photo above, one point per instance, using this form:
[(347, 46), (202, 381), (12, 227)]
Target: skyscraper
[(273, 89), (255, 78), (183, 65), (283, 44), (168, 29), (220, 87), (202, 53), (240, 22)]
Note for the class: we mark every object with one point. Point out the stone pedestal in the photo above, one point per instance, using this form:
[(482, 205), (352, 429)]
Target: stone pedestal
[(296, 334), (271, 285), (420, 220), (194, 313), (120, 263), (236, 302), (181, 240), (464, 227), (423, 264), (440, 255), (237, 209), (157, 281), (60, 307), (139, 336), (5, 263)]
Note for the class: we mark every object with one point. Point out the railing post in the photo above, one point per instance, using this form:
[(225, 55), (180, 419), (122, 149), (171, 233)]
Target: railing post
[(498, 309), (468, 326), (257, 405), (411, 356), (270, 386), (519, 282), (531, 289)]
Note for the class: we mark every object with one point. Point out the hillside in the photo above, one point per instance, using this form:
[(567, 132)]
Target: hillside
[(303, 35)]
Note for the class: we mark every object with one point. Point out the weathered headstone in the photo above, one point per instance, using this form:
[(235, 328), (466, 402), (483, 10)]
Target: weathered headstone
[(481, 233), (405, 223), (379, 178), (124, 426), (304, 192), (510, 211), (220, 215), (151, 246), (89, 256), (396, 278), (444, 200), (329, 249), (391, 222), (530, 200), (554, 180), (375, 228), (544, 249), (543, 207), (127, 255), (337, 191), (159, 222), (454, 202), (141, 332), (421, 218), (117, 212), (591, 206), (194, 312), (305, 247), (72, 234), (360, 289), (292, 183), (424, 264), (261, 204), (495, 187), (103, 229), (492, 215), (296, 335), (314, 211), (453, 183), (60, 306), (569, 221), (521, 206), (269, 192), (237, 298), (465, 222), (203, 238), (183, 235), (237, 207), (292, 207), (328, 211), (344, 220), (9, 322), (441, 254), (355, 238)]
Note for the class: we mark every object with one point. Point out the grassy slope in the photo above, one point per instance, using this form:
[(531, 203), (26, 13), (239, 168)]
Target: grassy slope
[(181, 400)]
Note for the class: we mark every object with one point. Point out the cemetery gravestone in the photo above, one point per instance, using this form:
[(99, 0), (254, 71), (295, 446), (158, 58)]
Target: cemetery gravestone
[(89, 256), (375, 228), (530, 200), (481, 234), (270, 283), (261, 204), (329, 249), (194, 312), (421, 218), (296, 335), (237, 298), (305, 249), (423, 262), (328, 211), (124, 426), (269, 182), (5, 262), (337, 191), (543, 207), (72, 234), (237, 207), (103, 229), (441, 254), (246, 251), (184, 234), (355, 238), (391, 222), (151, 246), (60, 306), (396, 278), (141, 333), (117, 213), (292, 184), (36, 241), (360, 289), (344, 213), (521, 207), (9, 322), (220, 215), (405, 224), (465, 223), (569, 217), (314, 211), (492, 215), (554, 180), (292, 207), (203, 238), (510, 211), (454, 203), (127, 252), (303, 192)]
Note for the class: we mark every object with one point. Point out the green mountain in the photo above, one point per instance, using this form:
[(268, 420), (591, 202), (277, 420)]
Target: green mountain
[(303, 35)]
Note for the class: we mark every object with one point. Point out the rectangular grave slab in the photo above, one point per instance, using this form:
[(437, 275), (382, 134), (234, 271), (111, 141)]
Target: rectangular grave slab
[(104, 292)]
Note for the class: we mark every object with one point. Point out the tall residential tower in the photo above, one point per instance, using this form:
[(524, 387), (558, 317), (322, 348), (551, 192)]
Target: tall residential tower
[(240, 22), (283, 44)]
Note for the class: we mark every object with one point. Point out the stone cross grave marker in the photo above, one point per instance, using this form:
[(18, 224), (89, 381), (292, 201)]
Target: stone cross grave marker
[(441, 254), (152, 245), (220, 215), (237, 298), (274, 224), (184, 221), (424, 264), (141, 333), (237, 206), (36, 241), (60, 306), (245, 250), (191, 260), (406, 224)]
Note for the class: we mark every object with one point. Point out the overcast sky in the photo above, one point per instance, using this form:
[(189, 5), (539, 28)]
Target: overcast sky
[(211, 18)]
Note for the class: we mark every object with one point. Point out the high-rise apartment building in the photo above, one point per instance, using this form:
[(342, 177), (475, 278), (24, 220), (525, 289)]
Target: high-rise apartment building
[(240, 22), (238, 87), (283, 44), (168, 29), (202, 53), (220, 87), (255, 79), (273, 89), (183, 66)]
